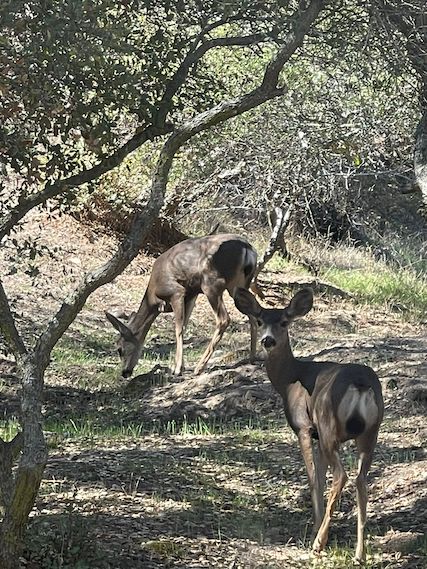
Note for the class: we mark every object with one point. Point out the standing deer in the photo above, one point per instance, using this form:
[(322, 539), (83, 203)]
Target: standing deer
[(206, 265), (326, 400)]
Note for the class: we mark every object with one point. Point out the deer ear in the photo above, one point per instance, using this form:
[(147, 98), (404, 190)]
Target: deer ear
[(300, 304), (120, 326), (246, 302)]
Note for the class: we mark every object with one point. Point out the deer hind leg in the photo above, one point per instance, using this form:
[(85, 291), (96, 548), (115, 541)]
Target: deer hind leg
[(222, 321), (178, 306), (339, 478), (316, 472), (365, 445), (319, 490), (189, 305)]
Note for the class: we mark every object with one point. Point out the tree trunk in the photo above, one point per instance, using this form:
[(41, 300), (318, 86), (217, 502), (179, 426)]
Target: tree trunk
[(18, 491), (420, 156)]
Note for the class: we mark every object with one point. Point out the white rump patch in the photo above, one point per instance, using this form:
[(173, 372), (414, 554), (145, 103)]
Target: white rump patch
[(361, 401)]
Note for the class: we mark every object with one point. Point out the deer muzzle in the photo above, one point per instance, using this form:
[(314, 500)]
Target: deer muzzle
[(268, 342)]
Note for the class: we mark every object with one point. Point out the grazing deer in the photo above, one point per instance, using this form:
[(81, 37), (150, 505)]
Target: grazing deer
[(206, 265), (326, 400)]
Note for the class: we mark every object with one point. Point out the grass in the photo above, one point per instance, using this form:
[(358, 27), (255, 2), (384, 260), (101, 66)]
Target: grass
[(164, 548), (8, 429), (371, 281), (254, 429), (400, 290)]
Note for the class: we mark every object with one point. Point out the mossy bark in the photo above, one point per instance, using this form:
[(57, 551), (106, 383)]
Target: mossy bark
[(18, 491)]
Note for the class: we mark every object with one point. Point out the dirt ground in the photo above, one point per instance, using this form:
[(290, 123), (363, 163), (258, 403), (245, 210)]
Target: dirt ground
[(195, 472)]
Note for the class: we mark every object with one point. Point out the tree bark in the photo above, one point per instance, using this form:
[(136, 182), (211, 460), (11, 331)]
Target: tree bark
[(420, 156), (19, 491), (282, 219)]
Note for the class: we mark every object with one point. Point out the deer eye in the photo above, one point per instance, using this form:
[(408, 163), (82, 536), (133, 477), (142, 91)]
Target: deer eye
[(283, 324), (259, 322)]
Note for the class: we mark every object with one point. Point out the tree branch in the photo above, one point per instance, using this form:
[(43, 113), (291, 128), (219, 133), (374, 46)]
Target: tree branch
[(282, 221), (292, 42), (145, 214), (192, 57), (87, 175)]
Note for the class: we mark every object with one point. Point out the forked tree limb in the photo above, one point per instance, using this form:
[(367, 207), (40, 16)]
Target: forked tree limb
[(282, 222)]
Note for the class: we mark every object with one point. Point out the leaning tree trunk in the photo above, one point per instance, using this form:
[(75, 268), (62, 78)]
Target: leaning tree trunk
[(281, 219)]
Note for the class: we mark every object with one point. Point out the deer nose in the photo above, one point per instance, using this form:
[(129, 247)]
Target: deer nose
[(268, 342), (126, 373)]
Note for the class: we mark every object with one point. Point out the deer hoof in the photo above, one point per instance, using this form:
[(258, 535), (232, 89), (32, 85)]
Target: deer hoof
[(359, 559), (198, 370), (318, 546)]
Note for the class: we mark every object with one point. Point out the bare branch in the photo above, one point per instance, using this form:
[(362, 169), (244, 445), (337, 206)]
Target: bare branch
[(282, 221)]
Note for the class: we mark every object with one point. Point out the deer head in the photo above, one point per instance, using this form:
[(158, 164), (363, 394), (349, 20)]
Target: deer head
[(274, 322), (128, 345)]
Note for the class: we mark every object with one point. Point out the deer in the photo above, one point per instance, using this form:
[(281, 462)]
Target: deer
[(324, 400), (206, 265)]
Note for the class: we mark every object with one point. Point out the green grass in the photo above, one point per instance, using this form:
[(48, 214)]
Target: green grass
[(246, 430), (278, 264), (257, 429), (402, 290), (251, 429), (8, 429)]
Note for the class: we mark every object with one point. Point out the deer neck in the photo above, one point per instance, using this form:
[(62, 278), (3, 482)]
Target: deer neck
[(281, 365), (283, 369), (143, 319)]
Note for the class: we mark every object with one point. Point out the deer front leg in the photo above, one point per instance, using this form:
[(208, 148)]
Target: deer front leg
[(316, 471), (222, 321), (338, 482), (254, 330)]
